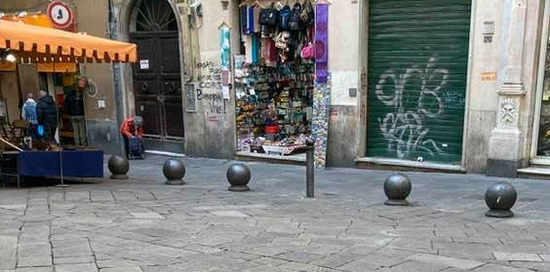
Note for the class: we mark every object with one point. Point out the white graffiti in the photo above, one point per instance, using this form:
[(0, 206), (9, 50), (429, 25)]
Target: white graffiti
[(414, 96)]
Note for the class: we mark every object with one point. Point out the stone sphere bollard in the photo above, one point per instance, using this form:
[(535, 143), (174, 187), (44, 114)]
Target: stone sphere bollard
[(238, 175), (500, 198), (397, 188), (174, 171), (119, 167)]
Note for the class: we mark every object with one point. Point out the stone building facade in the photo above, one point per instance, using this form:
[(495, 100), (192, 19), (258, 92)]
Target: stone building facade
[(480, 107)]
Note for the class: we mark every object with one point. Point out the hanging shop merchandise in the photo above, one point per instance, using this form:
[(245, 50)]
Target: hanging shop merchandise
[(274, 79)]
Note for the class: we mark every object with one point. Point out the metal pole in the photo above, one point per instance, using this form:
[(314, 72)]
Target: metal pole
[(59, 134), (310, 164)]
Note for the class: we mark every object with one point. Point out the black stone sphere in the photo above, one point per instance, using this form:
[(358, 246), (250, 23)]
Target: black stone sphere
[(397, 188), (238, 175), (119, 167), (500, 198), (174, 171)]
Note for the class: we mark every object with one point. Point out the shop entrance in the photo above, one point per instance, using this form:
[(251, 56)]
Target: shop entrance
[(418, 62), (541, 143), (157, 79), (274, 81)]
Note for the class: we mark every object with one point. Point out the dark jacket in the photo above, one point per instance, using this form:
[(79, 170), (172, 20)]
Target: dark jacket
[(46, 111), (74, 105)]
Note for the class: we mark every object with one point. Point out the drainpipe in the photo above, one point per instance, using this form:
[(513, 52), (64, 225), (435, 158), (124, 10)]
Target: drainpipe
[(117, 73)]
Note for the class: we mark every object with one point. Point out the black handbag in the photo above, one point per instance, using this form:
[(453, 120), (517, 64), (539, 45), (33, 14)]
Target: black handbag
[(308, 14), (295, 18), (269, 16)]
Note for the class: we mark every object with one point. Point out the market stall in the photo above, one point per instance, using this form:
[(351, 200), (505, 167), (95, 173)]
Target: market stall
[(274, 77), (25, 154)]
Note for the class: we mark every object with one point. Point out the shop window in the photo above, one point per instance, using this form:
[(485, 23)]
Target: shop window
[(544, 131)]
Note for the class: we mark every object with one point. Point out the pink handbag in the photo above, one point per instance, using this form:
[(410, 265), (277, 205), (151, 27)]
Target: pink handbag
[(308, 52)]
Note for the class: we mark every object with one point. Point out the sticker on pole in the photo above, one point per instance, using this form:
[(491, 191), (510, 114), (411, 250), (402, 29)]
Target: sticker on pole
[(60, 14)]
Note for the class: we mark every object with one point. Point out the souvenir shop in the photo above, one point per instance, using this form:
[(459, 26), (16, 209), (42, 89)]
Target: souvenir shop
[(274, 77)]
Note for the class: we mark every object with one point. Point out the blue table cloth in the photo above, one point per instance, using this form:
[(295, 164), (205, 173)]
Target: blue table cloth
[(85, 164)]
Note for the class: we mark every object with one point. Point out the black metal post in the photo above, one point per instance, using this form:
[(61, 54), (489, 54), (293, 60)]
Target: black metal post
[(310, 165)]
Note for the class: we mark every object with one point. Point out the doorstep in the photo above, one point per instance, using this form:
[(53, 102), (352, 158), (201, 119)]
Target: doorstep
[(539, 168), (165, 153), (535, 171), (404, 165), (299, 159)]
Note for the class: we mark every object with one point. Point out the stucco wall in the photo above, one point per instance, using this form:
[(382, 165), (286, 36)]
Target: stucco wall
[(482, 98), (210, 132), (344, 62), (93, 18), (10, 94)]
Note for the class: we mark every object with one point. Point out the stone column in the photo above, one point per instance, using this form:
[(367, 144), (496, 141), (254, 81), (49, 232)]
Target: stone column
[(505, 144)]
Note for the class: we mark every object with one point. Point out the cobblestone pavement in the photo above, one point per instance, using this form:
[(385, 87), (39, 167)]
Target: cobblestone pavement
[(141, 225)]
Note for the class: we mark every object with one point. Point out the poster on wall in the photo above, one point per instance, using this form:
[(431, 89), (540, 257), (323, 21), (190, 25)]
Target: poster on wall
[(225, 48), (191, 98)]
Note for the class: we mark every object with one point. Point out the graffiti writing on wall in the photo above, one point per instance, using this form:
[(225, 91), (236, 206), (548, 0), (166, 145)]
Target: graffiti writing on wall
[(415, 96), (209, 90), (363, 90)]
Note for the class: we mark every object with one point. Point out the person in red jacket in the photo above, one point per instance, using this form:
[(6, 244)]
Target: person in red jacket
[(132, 128)]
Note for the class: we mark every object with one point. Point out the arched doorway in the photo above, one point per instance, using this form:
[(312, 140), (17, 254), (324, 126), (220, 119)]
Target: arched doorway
[(157, 77)]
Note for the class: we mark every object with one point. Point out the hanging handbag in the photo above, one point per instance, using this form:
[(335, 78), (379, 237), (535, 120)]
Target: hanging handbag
[(308, 52), (269, 16), (284, 18), (295, 23), (308, 14)]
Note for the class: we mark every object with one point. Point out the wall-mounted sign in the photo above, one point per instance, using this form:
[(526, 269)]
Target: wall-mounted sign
[(488, 31), (191, 98), (91, 89), (60, 14), (489, 77), (488, 28), (144, 64), (101, 104)]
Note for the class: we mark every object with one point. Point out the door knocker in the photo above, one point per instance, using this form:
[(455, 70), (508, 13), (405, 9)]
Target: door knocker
[(144, 87)]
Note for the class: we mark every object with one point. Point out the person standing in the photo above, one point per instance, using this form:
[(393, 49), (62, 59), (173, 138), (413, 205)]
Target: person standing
[(28, 113), (46, 112), (74, 106)]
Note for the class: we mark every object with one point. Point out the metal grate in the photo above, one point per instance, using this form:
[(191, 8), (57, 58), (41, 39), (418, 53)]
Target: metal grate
[(155, 16)]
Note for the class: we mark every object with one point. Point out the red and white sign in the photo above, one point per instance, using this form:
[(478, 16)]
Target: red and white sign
[(60, 14)]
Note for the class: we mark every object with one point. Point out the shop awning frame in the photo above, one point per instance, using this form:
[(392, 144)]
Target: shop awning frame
[(39, 44)]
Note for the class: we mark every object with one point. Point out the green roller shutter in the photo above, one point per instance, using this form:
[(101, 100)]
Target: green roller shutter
[(418, 62)]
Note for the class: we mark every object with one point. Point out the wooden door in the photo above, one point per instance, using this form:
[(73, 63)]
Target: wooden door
[(157, 78)]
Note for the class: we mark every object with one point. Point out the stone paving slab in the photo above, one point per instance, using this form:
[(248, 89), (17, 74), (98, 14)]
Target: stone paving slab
[(141, 225)]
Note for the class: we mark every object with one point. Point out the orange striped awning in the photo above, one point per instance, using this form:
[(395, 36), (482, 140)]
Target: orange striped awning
[(41, 44)]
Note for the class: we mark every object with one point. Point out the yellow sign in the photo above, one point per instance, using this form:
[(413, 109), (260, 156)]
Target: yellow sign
[(56, 67), (488, 77), (36, 20), (7, 67)]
